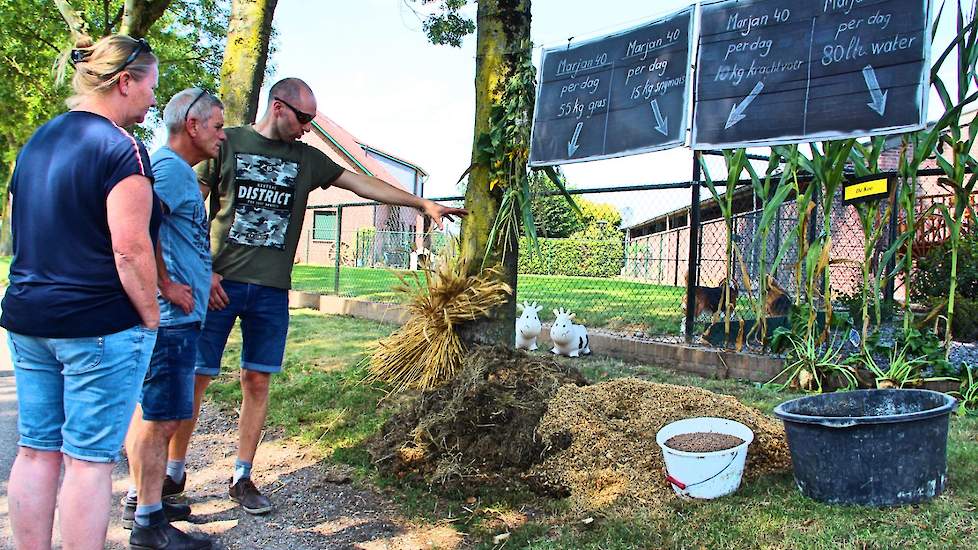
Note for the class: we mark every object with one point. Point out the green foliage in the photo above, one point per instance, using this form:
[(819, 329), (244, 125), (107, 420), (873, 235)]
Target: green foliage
[(600, 214), (448, 26), (810, 366), (504, 149), (932, 276), (931, 283), (188, 39), (585, 258), (964, 324), (968, 393), (319, 395), (553, 216), (906, 360), (315, 399)]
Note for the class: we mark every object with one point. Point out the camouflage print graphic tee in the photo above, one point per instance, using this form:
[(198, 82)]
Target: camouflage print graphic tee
[(259, 188)]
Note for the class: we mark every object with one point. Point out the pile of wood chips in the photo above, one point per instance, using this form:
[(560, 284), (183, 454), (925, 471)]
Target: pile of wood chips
[(602, 449)]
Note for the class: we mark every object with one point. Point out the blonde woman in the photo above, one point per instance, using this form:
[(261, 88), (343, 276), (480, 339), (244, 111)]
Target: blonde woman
[(81, 308)]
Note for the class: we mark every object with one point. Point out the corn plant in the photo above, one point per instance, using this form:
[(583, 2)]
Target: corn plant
[(735, 161), (872, 220), (952, 142)]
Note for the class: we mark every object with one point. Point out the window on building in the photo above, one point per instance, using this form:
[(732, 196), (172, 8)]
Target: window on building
[(324, 225)]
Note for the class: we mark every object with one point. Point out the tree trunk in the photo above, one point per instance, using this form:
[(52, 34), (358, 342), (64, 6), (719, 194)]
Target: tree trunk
[(502, 27), (245, 55), (76, 23), (139, 16)]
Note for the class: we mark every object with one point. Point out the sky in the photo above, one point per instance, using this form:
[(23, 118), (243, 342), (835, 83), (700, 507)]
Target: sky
[(375, 73)]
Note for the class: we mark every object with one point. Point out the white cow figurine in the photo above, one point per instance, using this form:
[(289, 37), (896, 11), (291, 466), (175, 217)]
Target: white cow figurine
[(569, 339), (528, 326)]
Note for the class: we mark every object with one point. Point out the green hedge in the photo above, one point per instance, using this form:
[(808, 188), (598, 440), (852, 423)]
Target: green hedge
[(582, 258)]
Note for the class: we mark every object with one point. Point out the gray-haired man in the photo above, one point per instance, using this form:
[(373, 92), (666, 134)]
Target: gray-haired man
[(195, 122)]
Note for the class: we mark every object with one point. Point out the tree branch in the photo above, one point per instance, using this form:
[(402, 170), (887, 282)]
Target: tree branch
[(76, 22), (139, 16), (24, 31), (105, 17), (182, 59)]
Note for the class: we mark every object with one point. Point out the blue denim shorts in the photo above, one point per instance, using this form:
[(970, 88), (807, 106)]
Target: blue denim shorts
[(264, 314), (76, 395), (168, 390)]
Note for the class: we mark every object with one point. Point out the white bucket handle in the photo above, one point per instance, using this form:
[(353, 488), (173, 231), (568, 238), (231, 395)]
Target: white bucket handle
[(682, 486)]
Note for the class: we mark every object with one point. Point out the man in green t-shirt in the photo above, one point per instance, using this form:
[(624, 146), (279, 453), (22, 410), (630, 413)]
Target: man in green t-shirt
[(258, 188)]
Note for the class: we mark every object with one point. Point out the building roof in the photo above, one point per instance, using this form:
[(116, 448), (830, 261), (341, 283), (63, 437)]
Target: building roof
[(349, 152), (409, 164)]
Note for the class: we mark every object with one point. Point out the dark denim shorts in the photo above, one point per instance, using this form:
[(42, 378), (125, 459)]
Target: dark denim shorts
[(168, 390), (264, 314)]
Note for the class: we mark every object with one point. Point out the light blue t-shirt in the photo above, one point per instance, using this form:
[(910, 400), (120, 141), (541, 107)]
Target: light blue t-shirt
[(183, 235)]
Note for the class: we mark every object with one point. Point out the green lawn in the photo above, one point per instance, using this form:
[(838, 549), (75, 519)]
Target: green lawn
[(318, 400), (4, 269), (600, 303)]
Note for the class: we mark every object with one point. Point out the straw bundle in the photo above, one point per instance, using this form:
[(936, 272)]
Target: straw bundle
[(427, 351)]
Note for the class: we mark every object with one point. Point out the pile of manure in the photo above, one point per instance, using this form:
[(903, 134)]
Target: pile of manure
[(480, 427), (601, 449)]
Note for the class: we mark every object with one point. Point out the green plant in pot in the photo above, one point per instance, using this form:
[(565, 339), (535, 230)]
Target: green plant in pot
[(810, 366), (968, 393), (909, 357)]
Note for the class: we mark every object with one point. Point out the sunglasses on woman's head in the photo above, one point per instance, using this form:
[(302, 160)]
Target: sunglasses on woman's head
[(141, 46), (303, 118)]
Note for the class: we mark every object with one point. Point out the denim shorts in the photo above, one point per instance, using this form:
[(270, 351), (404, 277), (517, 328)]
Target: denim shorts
[(264, 314), (76, 395), (168, 390)]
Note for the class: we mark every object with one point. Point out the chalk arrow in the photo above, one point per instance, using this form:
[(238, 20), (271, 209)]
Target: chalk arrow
[(878, 103), (737, 111), (572, 144), (661, 124)]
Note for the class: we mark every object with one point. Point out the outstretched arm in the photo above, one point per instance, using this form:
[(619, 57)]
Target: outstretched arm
[(372, 188)]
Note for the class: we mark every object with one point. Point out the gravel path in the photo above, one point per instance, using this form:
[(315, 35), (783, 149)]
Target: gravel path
[(317, 506)]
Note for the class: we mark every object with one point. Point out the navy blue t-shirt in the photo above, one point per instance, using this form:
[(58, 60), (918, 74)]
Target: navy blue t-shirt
[(63, 277)]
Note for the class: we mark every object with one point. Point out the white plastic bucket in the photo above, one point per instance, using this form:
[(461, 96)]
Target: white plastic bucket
[(705, 475)]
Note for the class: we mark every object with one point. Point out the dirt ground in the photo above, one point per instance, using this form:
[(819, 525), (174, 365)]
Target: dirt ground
[(317, 506)]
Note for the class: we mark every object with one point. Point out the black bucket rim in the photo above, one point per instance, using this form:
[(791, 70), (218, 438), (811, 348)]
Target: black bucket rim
[(848, 421)]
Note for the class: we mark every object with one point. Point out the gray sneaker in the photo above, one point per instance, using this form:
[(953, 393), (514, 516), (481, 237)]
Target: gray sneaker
[(249, 497)]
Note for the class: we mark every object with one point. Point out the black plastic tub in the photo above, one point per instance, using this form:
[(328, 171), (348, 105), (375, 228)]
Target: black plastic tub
[(870, 447)]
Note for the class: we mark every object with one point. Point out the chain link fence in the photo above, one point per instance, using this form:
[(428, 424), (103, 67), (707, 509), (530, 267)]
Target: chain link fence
[(635, 284)]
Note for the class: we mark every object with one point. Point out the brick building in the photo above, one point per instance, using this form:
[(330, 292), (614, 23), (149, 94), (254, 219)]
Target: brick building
[(367, 232)]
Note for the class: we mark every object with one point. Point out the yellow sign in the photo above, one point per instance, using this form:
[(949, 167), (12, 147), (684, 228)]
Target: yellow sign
[(865, 189)]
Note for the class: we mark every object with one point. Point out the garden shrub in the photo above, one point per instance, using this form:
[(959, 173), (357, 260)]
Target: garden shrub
[(932, 274), (578, 257)]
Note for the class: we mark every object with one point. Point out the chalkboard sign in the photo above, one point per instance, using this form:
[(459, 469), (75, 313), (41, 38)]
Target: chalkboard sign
[(784, 71), (617, 95)]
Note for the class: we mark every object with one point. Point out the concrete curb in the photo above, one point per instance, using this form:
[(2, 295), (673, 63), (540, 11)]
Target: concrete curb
[(708, 363)]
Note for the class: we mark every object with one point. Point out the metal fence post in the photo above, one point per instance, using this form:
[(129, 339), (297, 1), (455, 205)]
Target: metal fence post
[(336, 250), (675, 275), (691, 268)]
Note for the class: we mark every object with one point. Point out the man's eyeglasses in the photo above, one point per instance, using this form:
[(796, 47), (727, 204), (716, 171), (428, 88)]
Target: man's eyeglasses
[(203, 92), (303, 118), (141, 46)]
